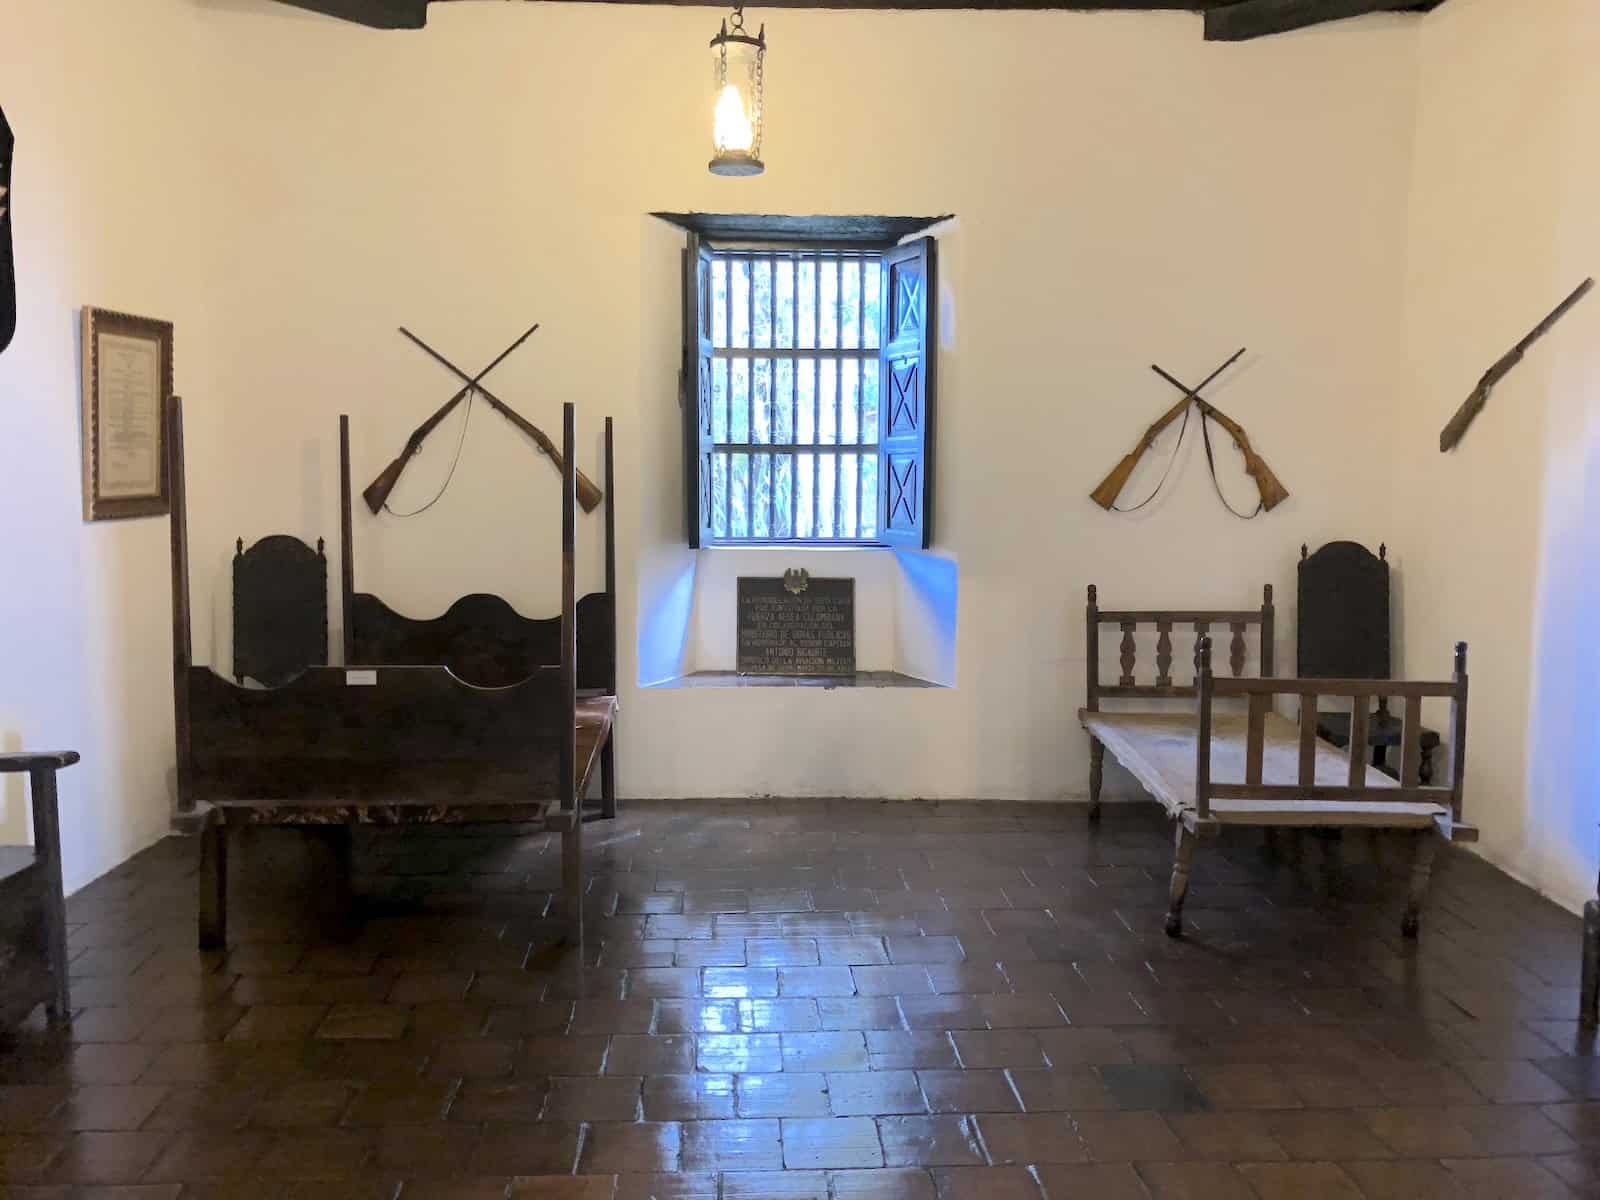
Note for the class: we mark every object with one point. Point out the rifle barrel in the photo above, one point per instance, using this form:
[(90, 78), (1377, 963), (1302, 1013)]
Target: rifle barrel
[(1549, 322), (1194, 393)]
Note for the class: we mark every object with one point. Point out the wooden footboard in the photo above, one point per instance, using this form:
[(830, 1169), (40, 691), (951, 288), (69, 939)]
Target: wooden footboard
[(1284, 786)]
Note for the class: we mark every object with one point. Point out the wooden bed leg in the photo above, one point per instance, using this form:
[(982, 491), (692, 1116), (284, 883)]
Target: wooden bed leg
[(338, 841), (1421, 871), (1183, 856), (214, 883), (572, 879), (343, 845), (608, 779), (47, 838), (1097, 770)]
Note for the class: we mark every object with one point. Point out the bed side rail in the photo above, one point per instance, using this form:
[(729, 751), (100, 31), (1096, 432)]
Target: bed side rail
[(1165, 622), (1258, 695)]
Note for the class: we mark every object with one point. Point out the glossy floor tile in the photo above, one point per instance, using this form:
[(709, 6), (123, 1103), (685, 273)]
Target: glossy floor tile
[(812, 1001)]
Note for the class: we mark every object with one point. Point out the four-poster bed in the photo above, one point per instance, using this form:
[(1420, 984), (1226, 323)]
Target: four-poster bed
[(386, 744)]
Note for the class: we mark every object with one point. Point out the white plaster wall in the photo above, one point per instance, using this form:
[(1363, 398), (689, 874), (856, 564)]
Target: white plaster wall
[(289, 190), (112, 181), (1500, 547)]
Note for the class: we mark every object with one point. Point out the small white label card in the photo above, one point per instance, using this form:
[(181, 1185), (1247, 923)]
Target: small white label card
[(366, 678)]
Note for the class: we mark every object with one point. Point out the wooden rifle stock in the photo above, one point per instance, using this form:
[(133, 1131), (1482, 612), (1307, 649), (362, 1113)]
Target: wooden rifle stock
[(377, 492), (588, 494), (1111, 486), (1273, 493)]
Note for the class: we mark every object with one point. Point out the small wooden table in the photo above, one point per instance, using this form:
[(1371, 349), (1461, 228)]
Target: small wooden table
[(33, 908)]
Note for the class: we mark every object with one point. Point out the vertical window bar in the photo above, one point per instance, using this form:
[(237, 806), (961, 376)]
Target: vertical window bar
[(772, 393), (750, 398), (816, 395), (839, 396), (794, 404), (727, 340), (861, 393)]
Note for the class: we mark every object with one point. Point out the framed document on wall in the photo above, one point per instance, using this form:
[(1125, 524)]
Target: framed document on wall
[(127, 381)]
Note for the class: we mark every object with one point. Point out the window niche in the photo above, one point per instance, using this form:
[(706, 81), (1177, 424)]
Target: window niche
[(807, 381), (807, 392)]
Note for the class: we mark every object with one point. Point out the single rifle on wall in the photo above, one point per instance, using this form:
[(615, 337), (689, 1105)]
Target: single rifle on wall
[(1450, 436)]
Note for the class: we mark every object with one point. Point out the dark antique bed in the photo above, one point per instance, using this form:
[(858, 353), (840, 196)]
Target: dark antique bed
[(481, 638), (387, 745)]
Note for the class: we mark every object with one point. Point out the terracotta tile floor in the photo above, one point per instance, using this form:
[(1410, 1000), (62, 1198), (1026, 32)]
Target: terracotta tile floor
[(819, 1001)]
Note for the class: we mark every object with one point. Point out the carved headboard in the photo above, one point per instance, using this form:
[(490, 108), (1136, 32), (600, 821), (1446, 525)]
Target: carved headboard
[(280, 609), (482, 639)]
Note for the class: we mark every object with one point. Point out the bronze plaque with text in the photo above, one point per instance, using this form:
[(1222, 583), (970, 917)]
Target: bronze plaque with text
[(806, 632)]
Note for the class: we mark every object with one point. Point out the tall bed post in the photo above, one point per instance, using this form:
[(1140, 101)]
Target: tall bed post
[(182, 646), (1186, 834), (1269, 641), (611, 553), (1458, 733), (1097, 749), (608, 752), (1202, 747), (347, 546), (567, 784)]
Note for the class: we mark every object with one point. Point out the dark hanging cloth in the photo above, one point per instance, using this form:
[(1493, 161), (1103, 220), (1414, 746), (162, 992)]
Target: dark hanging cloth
[(8, 266)]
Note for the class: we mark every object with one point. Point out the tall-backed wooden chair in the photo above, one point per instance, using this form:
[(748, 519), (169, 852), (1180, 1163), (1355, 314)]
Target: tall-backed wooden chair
[(1344, 634), (33, 910)]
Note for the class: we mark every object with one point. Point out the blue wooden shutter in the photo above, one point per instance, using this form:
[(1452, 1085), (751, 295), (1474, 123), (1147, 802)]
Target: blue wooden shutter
[(905, 487), (694, 391)]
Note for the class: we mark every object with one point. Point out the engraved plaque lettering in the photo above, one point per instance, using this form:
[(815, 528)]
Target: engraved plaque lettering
[(788, 632)]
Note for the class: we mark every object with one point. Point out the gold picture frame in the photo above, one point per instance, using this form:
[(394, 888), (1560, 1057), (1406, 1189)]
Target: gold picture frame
[(127, 387)]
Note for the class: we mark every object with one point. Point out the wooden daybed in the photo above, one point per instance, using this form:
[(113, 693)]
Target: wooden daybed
[(337, 747), (1213, 768), (480, 637)]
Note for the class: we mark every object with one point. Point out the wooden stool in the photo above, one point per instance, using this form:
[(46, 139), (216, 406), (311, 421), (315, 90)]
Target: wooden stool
[(33, 909)]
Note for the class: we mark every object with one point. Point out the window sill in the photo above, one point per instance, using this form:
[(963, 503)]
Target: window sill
[(732, 679)]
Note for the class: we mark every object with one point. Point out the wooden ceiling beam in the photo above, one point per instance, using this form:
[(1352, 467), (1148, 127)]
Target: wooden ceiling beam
[(1248, 19), (1195, 6), (1225, 20), (377, 14)]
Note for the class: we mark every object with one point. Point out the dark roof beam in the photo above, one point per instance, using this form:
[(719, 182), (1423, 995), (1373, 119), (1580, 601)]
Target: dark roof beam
[(378, 14), (1248, 19)]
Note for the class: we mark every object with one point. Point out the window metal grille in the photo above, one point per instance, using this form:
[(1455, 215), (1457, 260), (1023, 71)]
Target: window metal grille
[(794, 396)]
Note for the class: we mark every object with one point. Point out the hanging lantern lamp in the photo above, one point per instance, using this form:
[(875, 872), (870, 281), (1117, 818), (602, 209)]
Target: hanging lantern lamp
[(737, 113)]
